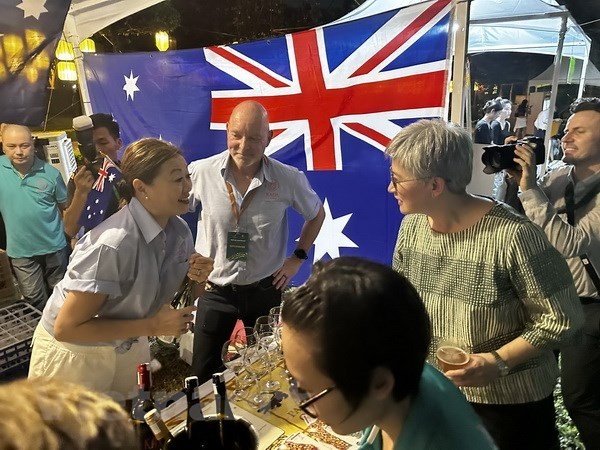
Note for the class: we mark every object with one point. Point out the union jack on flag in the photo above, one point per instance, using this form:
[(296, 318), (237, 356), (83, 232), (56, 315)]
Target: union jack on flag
[(103, 199), (103, 174), (335, 95), (362, 94)]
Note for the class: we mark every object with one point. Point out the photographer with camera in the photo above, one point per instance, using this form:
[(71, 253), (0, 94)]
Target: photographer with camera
[(99, 144), (566, 205)]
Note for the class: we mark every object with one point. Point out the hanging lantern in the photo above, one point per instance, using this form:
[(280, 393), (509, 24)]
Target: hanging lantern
[(41, 61), (66, 71), (31, 73), (162, 41), (87, 46), (33, 38), (13, 47), (64, 51)]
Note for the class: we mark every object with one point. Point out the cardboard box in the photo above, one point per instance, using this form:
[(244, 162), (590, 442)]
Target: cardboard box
[(7, 285)]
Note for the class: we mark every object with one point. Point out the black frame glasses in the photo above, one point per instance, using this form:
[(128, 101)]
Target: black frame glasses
[(304, 400)]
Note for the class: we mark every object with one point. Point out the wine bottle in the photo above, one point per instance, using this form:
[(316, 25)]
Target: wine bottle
[(141, 405), (194, 412), (222, 403), (157, 425)]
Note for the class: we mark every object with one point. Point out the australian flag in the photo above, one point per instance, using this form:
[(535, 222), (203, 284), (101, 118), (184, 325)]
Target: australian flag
[(103, 199), (335, 94), (29, 31)]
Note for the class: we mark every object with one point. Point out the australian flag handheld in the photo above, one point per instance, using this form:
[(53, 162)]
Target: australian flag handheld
[(103, 200)]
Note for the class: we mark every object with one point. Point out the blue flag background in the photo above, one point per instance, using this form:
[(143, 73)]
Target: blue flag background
[(336, 95), (29, 31)]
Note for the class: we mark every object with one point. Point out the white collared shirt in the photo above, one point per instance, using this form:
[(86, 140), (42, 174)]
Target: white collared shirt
[(278, 187), (131, 259)]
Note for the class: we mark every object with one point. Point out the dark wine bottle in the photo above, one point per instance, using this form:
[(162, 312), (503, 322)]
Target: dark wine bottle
[(142, 404), (194, 409), (223, 407)]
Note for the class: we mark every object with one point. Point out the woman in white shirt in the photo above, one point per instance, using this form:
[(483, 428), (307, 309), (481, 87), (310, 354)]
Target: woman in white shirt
[(121, 278)]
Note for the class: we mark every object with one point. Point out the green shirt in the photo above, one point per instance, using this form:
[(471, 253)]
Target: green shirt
[(439, 419), (497, 280), (29, 206)]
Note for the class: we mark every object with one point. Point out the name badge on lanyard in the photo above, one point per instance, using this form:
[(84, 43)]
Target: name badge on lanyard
[(237, 246), (238, 242)]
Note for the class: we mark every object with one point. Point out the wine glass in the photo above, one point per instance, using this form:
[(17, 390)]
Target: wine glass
[(269, 342), (255, 363), (275, 310), (232, 355), (262, 325), (247, 336)]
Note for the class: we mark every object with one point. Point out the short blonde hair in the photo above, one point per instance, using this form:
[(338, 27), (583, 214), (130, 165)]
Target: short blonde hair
[(47, 414), (435, 148)]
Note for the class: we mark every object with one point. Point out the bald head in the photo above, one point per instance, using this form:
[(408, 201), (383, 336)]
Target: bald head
[(248, 135), (251, 110), (17, 144), (14, 128)]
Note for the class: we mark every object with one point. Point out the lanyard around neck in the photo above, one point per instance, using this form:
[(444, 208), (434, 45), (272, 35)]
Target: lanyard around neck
[(245, 202)]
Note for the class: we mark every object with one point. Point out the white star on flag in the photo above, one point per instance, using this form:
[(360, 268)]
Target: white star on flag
[(130, 85), (33, 8), (331, 236), (111, 177)]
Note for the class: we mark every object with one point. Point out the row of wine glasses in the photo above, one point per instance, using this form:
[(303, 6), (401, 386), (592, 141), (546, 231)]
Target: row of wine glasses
[(257, 350)]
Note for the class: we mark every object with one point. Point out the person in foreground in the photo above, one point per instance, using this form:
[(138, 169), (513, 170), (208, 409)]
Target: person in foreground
[(355, 338), (121, 278), (48, 414), (489, 278)]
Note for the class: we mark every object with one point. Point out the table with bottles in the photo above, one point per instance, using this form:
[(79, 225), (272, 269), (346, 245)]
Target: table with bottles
[(280, 424)]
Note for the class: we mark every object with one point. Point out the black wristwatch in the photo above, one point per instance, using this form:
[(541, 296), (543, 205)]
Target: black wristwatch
[(300, 254)]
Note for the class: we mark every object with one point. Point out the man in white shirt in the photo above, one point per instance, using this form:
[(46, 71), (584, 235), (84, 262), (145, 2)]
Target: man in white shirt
[(244, 196)]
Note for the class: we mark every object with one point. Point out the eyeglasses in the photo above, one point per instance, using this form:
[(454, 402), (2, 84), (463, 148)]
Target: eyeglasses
[(396, 183), (305, 402)]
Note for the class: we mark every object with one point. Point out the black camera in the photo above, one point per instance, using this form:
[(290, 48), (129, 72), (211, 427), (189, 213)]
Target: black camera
[(499, 157)]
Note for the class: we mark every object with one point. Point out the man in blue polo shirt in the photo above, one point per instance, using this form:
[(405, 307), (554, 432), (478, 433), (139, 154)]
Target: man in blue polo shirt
[(32, 197)]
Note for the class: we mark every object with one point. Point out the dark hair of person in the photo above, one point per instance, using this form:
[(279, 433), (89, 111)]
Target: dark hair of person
[(363, 315), (492, 106), (503, 101), (585, 104), (100, 120), (142, 160)]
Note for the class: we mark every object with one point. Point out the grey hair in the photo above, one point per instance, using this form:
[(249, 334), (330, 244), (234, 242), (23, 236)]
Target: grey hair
[(435, 148)]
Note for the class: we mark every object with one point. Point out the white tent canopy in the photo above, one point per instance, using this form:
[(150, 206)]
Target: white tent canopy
[(530, 26), (90, 16), (592, 75)]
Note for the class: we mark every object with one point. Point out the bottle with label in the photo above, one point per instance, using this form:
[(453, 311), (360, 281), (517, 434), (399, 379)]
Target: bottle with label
[(158, 427), (142, 404)]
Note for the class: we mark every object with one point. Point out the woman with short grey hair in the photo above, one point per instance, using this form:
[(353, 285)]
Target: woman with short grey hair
[(489, 278)]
